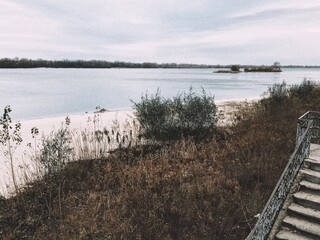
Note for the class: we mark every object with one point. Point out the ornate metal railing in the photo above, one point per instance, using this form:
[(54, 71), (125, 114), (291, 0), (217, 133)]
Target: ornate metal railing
[(307, 133), (302, 126)]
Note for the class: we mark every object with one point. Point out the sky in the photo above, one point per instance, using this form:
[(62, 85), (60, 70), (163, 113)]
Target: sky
[(181, 31)]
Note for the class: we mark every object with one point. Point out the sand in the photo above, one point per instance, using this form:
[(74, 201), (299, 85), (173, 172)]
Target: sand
[(226, 110), (24, 166)]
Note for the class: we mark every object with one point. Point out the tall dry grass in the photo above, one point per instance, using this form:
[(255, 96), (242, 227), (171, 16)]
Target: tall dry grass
[(183, 190)]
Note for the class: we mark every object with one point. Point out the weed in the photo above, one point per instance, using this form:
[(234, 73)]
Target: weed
[(97, 141), (56, 149), (10, 138)]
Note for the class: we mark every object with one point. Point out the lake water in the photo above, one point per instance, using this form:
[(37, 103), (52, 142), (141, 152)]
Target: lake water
[(37, 93)]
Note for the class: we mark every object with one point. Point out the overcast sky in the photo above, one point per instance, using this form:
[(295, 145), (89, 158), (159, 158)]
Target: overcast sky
[(183, 31)]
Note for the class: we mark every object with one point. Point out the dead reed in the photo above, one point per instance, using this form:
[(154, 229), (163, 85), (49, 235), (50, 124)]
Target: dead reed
[(181, 189)]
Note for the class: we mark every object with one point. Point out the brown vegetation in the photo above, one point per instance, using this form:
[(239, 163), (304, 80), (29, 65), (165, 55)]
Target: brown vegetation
[(183, 190)]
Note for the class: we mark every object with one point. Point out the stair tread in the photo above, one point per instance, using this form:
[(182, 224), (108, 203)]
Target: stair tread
[(310, 172), (303, 225), (288, 235), (312, 163), (314, 150), (314, 159), (309, 212), (310, 185), (307, 196)]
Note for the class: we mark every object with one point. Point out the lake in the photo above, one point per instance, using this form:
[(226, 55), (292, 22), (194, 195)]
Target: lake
[(41, 92)]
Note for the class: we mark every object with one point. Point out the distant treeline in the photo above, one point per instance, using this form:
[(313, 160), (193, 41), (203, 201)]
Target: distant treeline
[(41, 63)]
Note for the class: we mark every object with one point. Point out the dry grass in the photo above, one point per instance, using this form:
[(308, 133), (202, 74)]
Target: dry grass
[(184, 190)]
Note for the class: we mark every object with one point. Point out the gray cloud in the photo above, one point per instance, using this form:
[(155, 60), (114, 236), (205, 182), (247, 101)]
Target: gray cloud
[(203, 31)]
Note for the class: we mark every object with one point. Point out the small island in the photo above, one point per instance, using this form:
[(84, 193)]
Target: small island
[(276, 67), (233, 69)]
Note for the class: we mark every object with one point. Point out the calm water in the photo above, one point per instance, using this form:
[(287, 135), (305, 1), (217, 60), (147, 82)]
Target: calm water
[(34, 93)]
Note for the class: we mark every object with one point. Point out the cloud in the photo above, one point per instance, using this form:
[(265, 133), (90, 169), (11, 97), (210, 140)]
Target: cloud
[(203, 31)]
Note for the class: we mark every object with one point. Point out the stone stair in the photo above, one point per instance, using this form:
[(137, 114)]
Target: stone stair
[(302, 217)]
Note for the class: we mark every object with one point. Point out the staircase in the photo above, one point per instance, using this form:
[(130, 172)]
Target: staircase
[(302, 214), (293, 209)]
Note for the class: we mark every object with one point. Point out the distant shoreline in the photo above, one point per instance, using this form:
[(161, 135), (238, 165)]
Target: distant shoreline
[(8, 63), (195, 67)]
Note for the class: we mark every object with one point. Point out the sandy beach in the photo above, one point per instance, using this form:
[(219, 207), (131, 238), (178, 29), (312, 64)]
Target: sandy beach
[(226, 109), (25, 167)]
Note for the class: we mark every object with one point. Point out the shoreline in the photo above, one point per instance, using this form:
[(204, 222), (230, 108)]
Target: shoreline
[(226, 110), (26, 168), (72, 114), (247, 99), (80, 120), (217, 102), (120, 119)]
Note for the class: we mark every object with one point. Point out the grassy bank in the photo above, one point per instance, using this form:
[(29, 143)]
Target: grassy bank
[(181, 189)]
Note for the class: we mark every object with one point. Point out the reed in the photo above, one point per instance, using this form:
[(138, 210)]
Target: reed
[(185, 189)]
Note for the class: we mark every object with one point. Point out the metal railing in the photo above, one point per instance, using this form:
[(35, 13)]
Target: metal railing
[(315, 128), (307, 133)]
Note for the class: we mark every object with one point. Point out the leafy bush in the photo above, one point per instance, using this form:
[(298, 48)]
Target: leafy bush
[(303, 89), (187, 114), (278, 92), (151, 112)]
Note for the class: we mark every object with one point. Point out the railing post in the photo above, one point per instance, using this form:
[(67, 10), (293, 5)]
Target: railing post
[(298, 134)]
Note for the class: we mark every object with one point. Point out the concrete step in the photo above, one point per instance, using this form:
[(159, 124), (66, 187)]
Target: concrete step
[(305, 228), (312, 163), (289, 235), (314, 150), (307, 200), (303, 212), (311, 175), (310, 187)]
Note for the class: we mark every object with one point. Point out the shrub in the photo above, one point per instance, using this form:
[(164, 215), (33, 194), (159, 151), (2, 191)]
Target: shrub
[(151, 113), (278, 92), (303, 89), (187, 114)]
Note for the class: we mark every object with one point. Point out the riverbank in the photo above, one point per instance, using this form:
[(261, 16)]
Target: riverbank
[(227, 109), (218, 185), (26, 169), (104, 120)]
